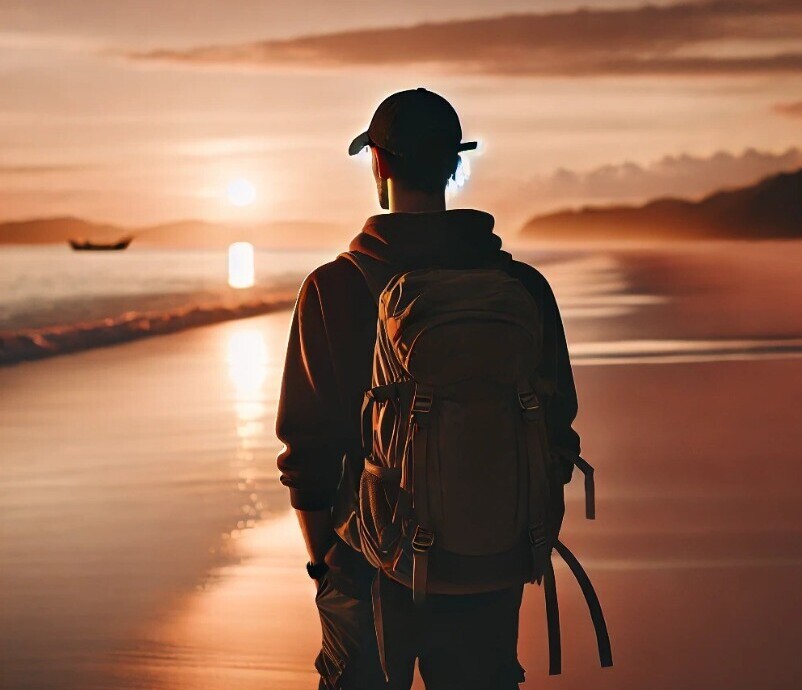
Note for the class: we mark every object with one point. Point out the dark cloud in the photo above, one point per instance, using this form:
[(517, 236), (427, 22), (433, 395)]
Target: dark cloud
[(793, 109), (713, 37), (683, 175)]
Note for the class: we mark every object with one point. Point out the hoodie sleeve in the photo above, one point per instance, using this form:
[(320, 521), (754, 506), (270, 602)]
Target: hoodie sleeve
[(555, 368), (307, 420)]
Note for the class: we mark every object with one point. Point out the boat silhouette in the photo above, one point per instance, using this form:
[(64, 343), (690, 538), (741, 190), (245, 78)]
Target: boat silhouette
[(99, 246)]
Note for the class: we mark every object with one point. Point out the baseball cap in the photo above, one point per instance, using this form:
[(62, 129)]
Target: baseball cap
[(416, 123)]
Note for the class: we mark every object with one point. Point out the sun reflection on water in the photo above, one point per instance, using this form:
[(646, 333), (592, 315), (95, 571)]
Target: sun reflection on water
[(247, 359), (247, 362)]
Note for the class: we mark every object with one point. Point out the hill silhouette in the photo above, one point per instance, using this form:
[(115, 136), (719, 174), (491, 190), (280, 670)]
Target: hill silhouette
[(59, 229), (186, 233), (770, 209)]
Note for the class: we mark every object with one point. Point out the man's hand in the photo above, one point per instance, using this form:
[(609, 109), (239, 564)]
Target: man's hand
[(318, 530)]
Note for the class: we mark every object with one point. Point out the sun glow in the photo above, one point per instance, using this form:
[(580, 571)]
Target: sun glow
[(241, 192), (241, 272), (461, 175)]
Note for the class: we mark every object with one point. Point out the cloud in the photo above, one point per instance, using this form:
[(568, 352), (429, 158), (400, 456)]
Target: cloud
[(793, 109), (683, 176), (41, 169), (712, 37)]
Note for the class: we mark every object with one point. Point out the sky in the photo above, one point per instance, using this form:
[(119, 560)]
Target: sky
[(142, 111)]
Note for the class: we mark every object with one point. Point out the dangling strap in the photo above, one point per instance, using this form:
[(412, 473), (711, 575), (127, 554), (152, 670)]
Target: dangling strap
[(423, 538), (552, 619), (596, 614), (590, 487), (538, 484), (421, 543), (378, 622)]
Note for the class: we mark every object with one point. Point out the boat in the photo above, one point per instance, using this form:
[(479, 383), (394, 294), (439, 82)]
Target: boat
[(97, 246)]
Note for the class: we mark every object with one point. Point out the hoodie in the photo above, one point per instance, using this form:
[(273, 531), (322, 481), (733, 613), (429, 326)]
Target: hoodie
[(330, 356)]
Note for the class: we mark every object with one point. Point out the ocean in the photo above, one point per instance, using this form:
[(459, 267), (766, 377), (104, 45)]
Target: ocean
[(57, 299), (54, 285)]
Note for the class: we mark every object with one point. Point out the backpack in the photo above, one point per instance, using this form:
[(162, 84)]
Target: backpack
[(459, 488)]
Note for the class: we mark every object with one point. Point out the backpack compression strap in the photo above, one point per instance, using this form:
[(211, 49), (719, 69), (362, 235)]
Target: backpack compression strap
[(423, 538), (553, 615), (537, 456)]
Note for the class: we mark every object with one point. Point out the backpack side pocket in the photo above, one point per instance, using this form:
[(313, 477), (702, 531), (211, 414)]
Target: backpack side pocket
[(378, 494)]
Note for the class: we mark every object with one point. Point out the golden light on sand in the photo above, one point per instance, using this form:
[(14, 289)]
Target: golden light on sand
[(241, 272), (241, 192)]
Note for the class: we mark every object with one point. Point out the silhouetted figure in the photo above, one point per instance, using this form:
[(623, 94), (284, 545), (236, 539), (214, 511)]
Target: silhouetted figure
[(426, 411)]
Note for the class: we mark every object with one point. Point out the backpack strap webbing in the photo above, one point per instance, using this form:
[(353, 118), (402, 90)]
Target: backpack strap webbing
[(590, 487), (373, 395), (537, 457), (378, 622), (552, 619), (423, 538), (553, 616)]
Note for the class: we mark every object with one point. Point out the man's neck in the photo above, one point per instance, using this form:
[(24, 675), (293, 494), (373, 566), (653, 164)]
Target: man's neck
[(404, 200)]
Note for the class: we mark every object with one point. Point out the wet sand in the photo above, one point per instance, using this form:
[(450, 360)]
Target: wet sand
[(146, 542)]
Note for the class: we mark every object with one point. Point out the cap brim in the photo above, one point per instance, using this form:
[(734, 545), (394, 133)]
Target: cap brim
[(358, 144), (363, 140)]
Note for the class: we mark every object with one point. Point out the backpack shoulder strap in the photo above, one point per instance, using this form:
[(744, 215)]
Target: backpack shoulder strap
[(376, 273), (503, 261)]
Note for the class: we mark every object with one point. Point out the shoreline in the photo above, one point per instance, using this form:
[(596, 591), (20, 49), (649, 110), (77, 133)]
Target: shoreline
[(40, 343)]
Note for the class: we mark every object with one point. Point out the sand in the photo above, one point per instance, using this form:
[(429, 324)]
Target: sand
[(146, 542)]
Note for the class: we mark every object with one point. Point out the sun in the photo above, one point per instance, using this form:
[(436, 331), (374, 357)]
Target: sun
[(241, 192)]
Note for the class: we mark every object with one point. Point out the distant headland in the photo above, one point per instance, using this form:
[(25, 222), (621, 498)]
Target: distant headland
[(770, 209)]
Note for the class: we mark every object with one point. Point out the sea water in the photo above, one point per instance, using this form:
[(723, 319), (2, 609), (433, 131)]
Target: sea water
[(44, 286)]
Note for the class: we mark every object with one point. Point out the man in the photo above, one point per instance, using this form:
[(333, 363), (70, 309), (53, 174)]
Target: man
[(460, 640)]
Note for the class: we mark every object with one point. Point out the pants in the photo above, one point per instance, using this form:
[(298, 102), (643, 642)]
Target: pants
[(461, 642)]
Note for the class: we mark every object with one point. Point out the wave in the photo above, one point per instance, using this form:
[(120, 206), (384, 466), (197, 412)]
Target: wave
[(37, 343), (682, 351)]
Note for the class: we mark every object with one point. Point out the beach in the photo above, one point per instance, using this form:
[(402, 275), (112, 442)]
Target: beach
[(147, 543)]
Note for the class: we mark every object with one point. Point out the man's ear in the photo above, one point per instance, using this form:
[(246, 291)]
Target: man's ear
[(381, 162)]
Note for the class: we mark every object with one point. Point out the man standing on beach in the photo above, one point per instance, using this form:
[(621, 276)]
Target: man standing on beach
[(466, 641)]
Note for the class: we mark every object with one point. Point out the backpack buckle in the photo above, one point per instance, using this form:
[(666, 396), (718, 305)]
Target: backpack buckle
[(422, 401), (422, 539), (537, 536), (528, 401)]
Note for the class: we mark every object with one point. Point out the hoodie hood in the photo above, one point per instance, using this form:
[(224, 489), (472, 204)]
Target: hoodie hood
[(459, 238)]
